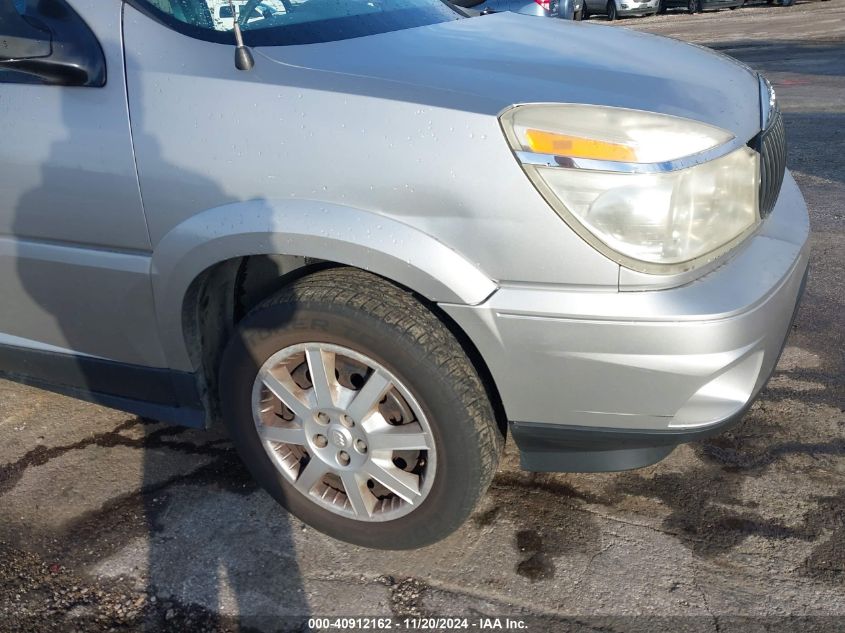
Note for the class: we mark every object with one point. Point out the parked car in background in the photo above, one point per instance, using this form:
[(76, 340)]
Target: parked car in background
[(699, 6), (783, 3), (223, 17), (564, 9), (387, 236), (620, 8)]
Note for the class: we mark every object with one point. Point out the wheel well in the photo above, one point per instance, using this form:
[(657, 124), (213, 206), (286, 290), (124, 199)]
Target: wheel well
[(221, 296), (225, 293)]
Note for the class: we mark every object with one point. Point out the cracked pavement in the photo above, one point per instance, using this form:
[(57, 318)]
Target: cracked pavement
[(110, 522)]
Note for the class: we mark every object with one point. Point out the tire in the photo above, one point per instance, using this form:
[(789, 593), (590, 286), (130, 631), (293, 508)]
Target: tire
[(611, 10), (694, 6), (347, 317), (661, 7), (585, 13)]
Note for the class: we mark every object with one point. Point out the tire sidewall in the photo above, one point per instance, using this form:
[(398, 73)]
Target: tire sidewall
[(457, 457)]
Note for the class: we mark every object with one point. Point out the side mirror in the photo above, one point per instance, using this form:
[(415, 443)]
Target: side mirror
[(57, 49), (18, 38)]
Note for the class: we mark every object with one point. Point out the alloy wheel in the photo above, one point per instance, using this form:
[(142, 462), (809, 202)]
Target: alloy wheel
[(345, 431)]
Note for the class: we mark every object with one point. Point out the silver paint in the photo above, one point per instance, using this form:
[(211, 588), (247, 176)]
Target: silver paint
[(652, 359), (74, 246), (385, 153)]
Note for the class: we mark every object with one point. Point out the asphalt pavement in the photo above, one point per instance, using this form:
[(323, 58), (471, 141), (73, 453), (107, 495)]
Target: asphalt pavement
[(110, 522)]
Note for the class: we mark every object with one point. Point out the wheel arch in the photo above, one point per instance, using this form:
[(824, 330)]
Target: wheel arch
[(310, 230), (211, 269)]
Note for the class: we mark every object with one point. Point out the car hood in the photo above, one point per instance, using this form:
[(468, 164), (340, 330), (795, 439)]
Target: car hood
[(491, 62)]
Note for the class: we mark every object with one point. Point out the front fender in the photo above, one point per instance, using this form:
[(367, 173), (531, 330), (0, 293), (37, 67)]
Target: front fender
[(305, 228)]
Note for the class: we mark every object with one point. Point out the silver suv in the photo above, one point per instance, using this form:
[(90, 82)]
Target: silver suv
[(388, 235)]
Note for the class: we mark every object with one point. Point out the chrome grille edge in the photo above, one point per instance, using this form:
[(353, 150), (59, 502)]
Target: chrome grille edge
[(771, 143)]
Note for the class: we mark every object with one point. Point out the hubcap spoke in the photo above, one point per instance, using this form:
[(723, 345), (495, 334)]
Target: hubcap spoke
[(382, 436), (285, 389), (321, 366), (369, 396), (360, 498), (343, 433), (312, 473), (399, 482), (284, 435)]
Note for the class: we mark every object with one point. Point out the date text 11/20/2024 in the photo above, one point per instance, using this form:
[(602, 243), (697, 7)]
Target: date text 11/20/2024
[(417, 624)]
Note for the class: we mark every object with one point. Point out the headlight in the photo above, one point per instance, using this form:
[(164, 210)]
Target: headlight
[(656, 193)]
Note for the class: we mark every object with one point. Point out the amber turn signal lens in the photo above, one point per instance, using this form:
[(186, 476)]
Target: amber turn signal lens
[(576, 147)]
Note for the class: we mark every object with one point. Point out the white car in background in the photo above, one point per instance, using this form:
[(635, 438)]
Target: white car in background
[(221, 12), (620, 8)]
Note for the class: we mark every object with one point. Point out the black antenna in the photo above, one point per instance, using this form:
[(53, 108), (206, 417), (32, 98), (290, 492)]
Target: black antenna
[(243, 56)]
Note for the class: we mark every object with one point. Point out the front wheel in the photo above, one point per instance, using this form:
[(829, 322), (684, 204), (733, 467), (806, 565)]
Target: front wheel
[(611, 10), (358, 410), (694, 6)]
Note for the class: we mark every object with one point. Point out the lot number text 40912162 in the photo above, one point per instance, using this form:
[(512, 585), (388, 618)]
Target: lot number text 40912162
[(417, 624)]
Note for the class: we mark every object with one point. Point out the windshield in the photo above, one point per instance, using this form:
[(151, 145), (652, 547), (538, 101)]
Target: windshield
[(284, 22)]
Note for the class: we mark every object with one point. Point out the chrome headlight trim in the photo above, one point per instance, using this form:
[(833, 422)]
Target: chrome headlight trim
[(567, 162)]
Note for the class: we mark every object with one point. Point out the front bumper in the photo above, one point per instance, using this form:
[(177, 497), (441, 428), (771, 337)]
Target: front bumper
[(720, 4), (637, 9), (680, 361)]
